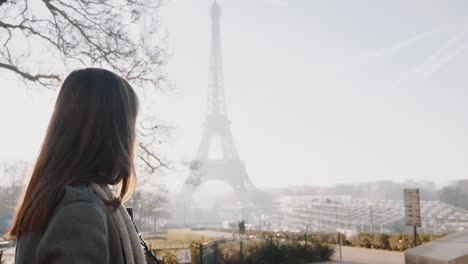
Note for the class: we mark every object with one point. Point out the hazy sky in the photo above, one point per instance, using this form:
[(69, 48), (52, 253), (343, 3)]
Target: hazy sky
[(318, 92)]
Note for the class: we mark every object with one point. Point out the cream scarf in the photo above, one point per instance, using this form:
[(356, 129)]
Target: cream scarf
[(125, 228)]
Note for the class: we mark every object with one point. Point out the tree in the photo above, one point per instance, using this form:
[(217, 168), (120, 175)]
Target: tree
[(14, 173), (119, 34), (455, 194), (12, 177), (41, 41), (149, 204)]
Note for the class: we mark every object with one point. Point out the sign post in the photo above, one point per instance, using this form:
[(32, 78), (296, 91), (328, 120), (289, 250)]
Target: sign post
[(413, 211)]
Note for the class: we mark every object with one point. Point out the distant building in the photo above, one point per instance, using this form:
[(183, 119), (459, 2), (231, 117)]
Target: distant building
[(341, 212)]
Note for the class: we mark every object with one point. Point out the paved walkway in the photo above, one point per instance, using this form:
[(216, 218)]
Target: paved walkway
[(355, 255), (8, 256)]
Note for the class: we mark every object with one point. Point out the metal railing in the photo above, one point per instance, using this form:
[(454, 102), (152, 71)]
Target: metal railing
[(212, 252), (209, 253)]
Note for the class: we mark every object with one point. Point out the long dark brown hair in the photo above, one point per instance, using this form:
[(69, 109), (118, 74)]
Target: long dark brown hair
[(90, 138)]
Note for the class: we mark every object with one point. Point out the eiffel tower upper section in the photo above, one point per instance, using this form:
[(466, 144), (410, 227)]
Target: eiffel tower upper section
[(216, 104)]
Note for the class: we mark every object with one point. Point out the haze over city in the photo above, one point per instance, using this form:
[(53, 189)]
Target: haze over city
[(318, 93), (256, 131)]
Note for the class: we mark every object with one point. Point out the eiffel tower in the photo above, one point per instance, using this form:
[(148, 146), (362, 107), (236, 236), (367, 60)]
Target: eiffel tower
[(229, 168)]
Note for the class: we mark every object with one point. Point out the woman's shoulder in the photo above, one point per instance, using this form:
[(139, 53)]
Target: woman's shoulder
[(82, 194), (78, 202), (80, 214), (78, 193), (77, 229)]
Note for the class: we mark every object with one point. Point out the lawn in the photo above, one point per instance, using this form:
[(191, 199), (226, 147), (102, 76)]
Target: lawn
[(174, 238)]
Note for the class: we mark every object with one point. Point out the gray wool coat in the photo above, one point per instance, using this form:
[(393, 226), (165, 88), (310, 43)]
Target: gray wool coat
[(80, 231)]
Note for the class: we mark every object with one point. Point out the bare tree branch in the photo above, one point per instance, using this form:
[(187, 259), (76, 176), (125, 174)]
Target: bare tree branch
[(41, 47), (35, 78), (86, 33)]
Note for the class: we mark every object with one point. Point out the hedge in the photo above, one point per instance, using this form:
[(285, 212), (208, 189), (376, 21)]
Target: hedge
[(260, 251), (395, 242), (265, 251)]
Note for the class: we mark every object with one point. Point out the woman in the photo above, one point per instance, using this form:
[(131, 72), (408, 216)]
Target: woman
[(68, 213)]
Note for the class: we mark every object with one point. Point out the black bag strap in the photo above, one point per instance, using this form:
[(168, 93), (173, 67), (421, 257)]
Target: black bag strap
[(142, 241)]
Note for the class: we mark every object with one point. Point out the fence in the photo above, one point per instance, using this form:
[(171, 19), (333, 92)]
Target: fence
[(171, 255), (254, 248), (209, 253), (268, 249)]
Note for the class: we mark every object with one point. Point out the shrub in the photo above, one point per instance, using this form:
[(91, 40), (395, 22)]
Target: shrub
[(362, 240), (400, 242), (395, 242), (380, 241), (268, 250)]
